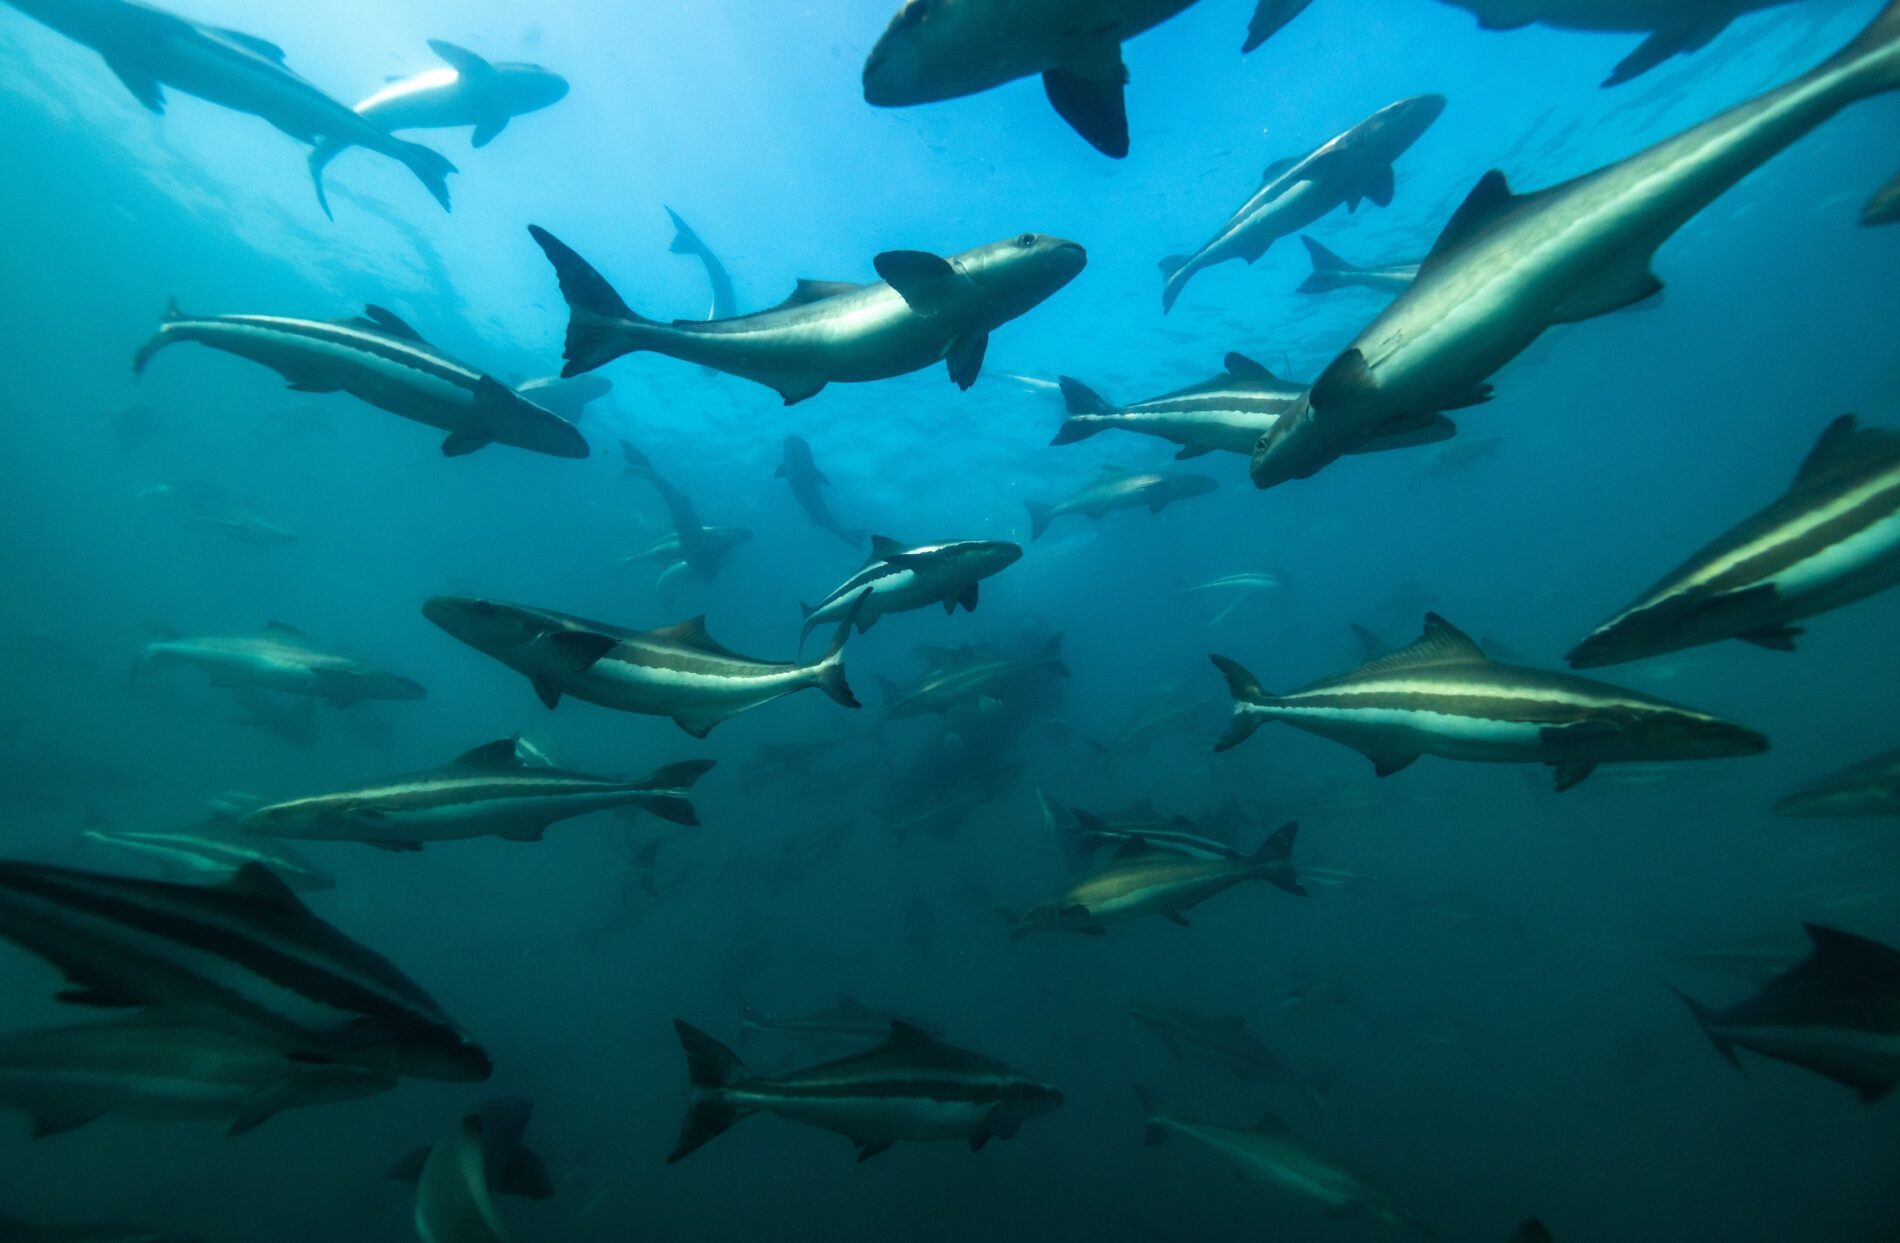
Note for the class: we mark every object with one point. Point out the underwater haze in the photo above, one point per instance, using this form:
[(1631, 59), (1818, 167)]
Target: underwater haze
[(1452, 999)]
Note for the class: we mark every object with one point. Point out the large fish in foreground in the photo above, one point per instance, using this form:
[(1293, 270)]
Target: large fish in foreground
[(678, 671), (899, 577), (1869, 788), (159, 1067), (926, 309), (489, 791), (244, 957), (509, 1166), (282, 659), (1674, 27), (1837, 1014), (1117, 488), (1443, 696), (379, 359), (1224, 1040), (1832, 538), (1510, 266), (150, 49), (1268, 1152), (1295, 192), (453, 1204), (911, 1087)]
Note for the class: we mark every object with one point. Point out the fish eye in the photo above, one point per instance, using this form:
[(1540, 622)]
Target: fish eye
[(1026, 240), (913, 12)]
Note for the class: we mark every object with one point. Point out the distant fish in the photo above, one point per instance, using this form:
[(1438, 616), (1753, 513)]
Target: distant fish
[(1346, 169), (725, 304), (799, 855), (150, 49), (694, 549), (1177, 835), (1330, 272), (925, 309), (282, 659), (219, 509), (489, 791), (1227, 413), (801, 474), (213, 851), (1223, 1040), (847, 1019), (678, 671), (1245, 586), (1837, 1013), (1833, 538), (1160, 717), (466, 91), (509, 1166), (1443, 696), (1884, 207), (911, 1087), (971, 679), (1869, 788), (1460, 455), (1675, 27), (1116, 488), (379, 359), (899, 577), (1509, 267)]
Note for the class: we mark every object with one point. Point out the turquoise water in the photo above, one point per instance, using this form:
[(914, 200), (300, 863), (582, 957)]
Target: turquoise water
[(1506, 1044)]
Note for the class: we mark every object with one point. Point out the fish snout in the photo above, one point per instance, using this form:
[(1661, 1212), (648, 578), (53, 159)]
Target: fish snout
[(894, 71)]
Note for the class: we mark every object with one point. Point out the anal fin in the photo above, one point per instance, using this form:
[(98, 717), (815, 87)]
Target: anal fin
[(1616, 287)]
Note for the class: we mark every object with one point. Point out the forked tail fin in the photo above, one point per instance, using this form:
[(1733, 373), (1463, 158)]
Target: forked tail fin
[(714, 1069), (1276, 857), (829, 671), (1328, 269), (1245, 688), (599, 323), (667, 787)]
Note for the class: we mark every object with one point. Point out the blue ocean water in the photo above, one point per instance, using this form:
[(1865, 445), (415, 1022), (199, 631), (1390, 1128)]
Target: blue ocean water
[(1500, 1036)]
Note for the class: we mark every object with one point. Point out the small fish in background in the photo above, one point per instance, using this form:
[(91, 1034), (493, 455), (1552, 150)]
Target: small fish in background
[(926, 309), (1118, 488), (219, 509), (800, 472), (950, 1094), (1223, 1040), (798, 856), (1249, 585), (1227, 413), (942, 811), (1269, 1152), (149, 49), (213, 850), (1884, 207), (1443, 696), (1674, 28), (899, 578), (983, 678), (775, 762), (509, 1166), (1347, 169), (725, 303), (379, 359), (1836, 1013), (693, 549), (847, 1020), (1331, 273), (1177, 835), (282, 659), (1832, 539), (1869, 788)]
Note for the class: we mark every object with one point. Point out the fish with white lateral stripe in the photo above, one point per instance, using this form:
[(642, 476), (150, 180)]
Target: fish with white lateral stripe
[(1837, 1013), (149, 50), (244, 957), (1508, 267), (1675, 27), (1223, 1039), (379, 359), (1443, 696), (971, 677), (913, 1086), (1869, 788), (282, 659), (159, 1067), (488, 791), (678, 671), (213, 851), (1330, 272), (1269, 1152), (1831, 539), (1294, 192), (1118, 488), (899, 577), (926, 309), (847, 1019)]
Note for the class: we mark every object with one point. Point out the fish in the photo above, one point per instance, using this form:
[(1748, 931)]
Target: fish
[(1141, 880), (465, 90), (807, 482), (725, 303), (679, 671), (694, 549), (214, 851), (292, 718), (972, 679), (1224, 1040), (379, 359), (1869, 788), (942, 813), (510, 1167), (1227, 413), (1175, 835), (1674, 27), (1831, 539), (1836, 1013), (1118, 488), (899, 577), (1159, 717), (913, 1086), (487, 791), (566, 396), (782, 761), (148, 50), (1443, 696), (1508, 266), (1247, 585), (160, 1067), (847, 1020), (452, 1189), (925, 309), (245, 957), (1884, 207), (1297, 191), (1460, 455), (934, 50), (221, 510), (1269, 1152), (1330, 272), (282, 659)]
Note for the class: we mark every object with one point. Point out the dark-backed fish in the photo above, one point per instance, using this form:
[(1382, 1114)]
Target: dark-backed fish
[(899, 577), (1118, 488), (800, 472), (1869, 788), (1330, 272), (282, 659)]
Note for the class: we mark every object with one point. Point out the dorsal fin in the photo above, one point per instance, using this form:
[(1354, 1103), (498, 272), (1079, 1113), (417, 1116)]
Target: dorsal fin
[(278, 627), (460, 59), (501, 753), (251, 43), (807, 290), (883, 546), (391, 323), (1441, 644), (1846, 447), (1242, 367), (260, 884), (1488, 200), (1842, 965), (692, 633)]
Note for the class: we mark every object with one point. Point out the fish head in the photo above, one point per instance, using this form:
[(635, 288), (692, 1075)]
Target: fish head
[(1393, 129), (940, 49), (1295, 447), (529, 88), (537, 428), (1014, 275), (797, 451), (489, 626), (428, 1048), (1673, 733), (300, 818), (980, 558), (1663, 623)]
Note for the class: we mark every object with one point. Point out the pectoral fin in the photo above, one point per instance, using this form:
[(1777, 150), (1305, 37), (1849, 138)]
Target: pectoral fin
[(1088, 93), (486, 132), (965, 359), (459, 443), (140, 81)]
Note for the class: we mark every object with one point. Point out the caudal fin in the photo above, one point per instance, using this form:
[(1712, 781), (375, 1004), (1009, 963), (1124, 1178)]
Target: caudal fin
[(1151, 1111), (1245, 688), (666, 790), (1328, 269), (1174, 278), (829, 671), (320, 157), (714, 1070), (1079, 398), (1703, 1016), (1275, 856), (159, 339), (430, 166), (600, 324), (1039, 516), (1074, 429)]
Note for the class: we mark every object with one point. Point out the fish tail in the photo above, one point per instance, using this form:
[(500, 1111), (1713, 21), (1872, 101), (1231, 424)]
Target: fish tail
[(1275, 858), (1151, 1114), (1079, 398), (600, 327), (713, 1069), (430, 166), (1175, 271), (160, 339), (320, 157), (1245, 688), (667, 787), (829, 671), (1327, 269), (1039, 515), (1074, 429), (1873, 58), (1703, 1015)]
